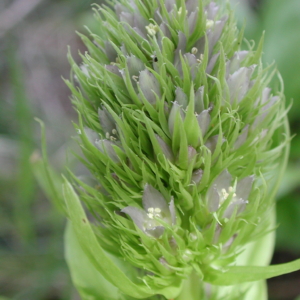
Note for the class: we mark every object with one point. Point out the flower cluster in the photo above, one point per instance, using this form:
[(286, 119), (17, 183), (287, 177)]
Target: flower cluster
[(183, 137)]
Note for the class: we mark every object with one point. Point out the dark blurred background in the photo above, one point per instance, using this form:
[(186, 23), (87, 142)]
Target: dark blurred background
[(34, 35)]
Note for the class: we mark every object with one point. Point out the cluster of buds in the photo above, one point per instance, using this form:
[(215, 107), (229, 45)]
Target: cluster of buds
[(186, 144)]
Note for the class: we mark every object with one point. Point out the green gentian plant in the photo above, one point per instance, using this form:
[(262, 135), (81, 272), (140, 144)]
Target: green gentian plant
[(186, 145)]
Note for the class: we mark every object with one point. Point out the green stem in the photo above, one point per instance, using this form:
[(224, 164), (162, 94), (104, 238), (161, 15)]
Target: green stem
[(192, 288)]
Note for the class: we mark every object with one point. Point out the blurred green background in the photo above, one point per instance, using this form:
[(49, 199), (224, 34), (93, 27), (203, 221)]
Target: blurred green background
[(34, 35)]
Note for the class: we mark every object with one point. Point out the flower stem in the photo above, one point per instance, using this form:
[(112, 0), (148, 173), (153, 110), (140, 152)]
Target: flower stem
[(191, 288)]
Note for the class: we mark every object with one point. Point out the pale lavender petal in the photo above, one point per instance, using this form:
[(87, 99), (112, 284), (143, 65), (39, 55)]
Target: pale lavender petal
[(105, 146), (113, 69), (239, 205), (235, 62), (199, 104), (197, 175), (181, 97), (213, 199), (192, 62), (203, 121), (192, 21), (166, 149), (212, 63), (169, 4), (110, 52), (156, 231), (140, 32), (176, 109), (127, 18), (214, 34), (191, 153), (211, 10), (238, 83), (242, 137), (212, 142), (165, 30), (92, 135), (149, 86), (134, 65), (223, 181), (244, 187), (152, 198), (180, 48), (138, 216), (191, 5), (172, 211), (140, 23), (106, 121)]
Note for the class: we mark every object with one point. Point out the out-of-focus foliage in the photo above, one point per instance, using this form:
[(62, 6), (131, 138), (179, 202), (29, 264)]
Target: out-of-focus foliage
[(34, 35), (281, 22)]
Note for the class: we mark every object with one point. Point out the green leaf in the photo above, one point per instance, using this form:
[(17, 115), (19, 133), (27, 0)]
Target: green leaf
[(89, 282), (240, 274)]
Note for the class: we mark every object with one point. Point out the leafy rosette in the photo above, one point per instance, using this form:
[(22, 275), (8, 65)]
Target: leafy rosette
[(186, 145)]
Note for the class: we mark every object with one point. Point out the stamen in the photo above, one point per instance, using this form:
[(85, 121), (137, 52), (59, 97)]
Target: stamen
[(194, 50), (209, 24), (152, 29)]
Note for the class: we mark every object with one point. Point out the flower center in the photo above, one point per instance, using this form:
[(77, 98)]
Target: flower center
[(154, 212), (225, 193)]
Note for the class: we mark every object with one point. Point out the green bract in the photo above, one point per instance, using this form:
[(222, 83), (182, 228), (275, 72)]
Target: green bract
[(186, 145)]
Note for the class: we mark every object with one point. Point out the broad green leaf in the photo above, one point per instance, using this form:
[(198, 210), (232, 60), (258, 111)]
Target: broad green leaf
[(240, 274), (89, 282)]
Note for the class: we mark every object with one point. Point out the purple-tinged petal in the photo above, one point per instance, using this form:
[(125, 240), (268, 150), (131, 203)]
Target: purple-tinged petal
[(192, 21), (191, 153), (165, 30), (172, 211), (176, 109), (106, 121), (235, 62), (92, 135), (196, 176), (203, 121), (238, 83), (242, 137), (149, 86), (152, 198), (180, 48), (191, 5), (192, 62), (199, 104), (214, 33), (156, 231), (240, 205), (212, 142), (244, 187), (181, 97), (212, 63), (134, 65), (138, 216), (110, 52), (169, 4), (213, 199), (211, 10), (166, 149), (113, 69), (106, 146), (223, 181), (127, 18)]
